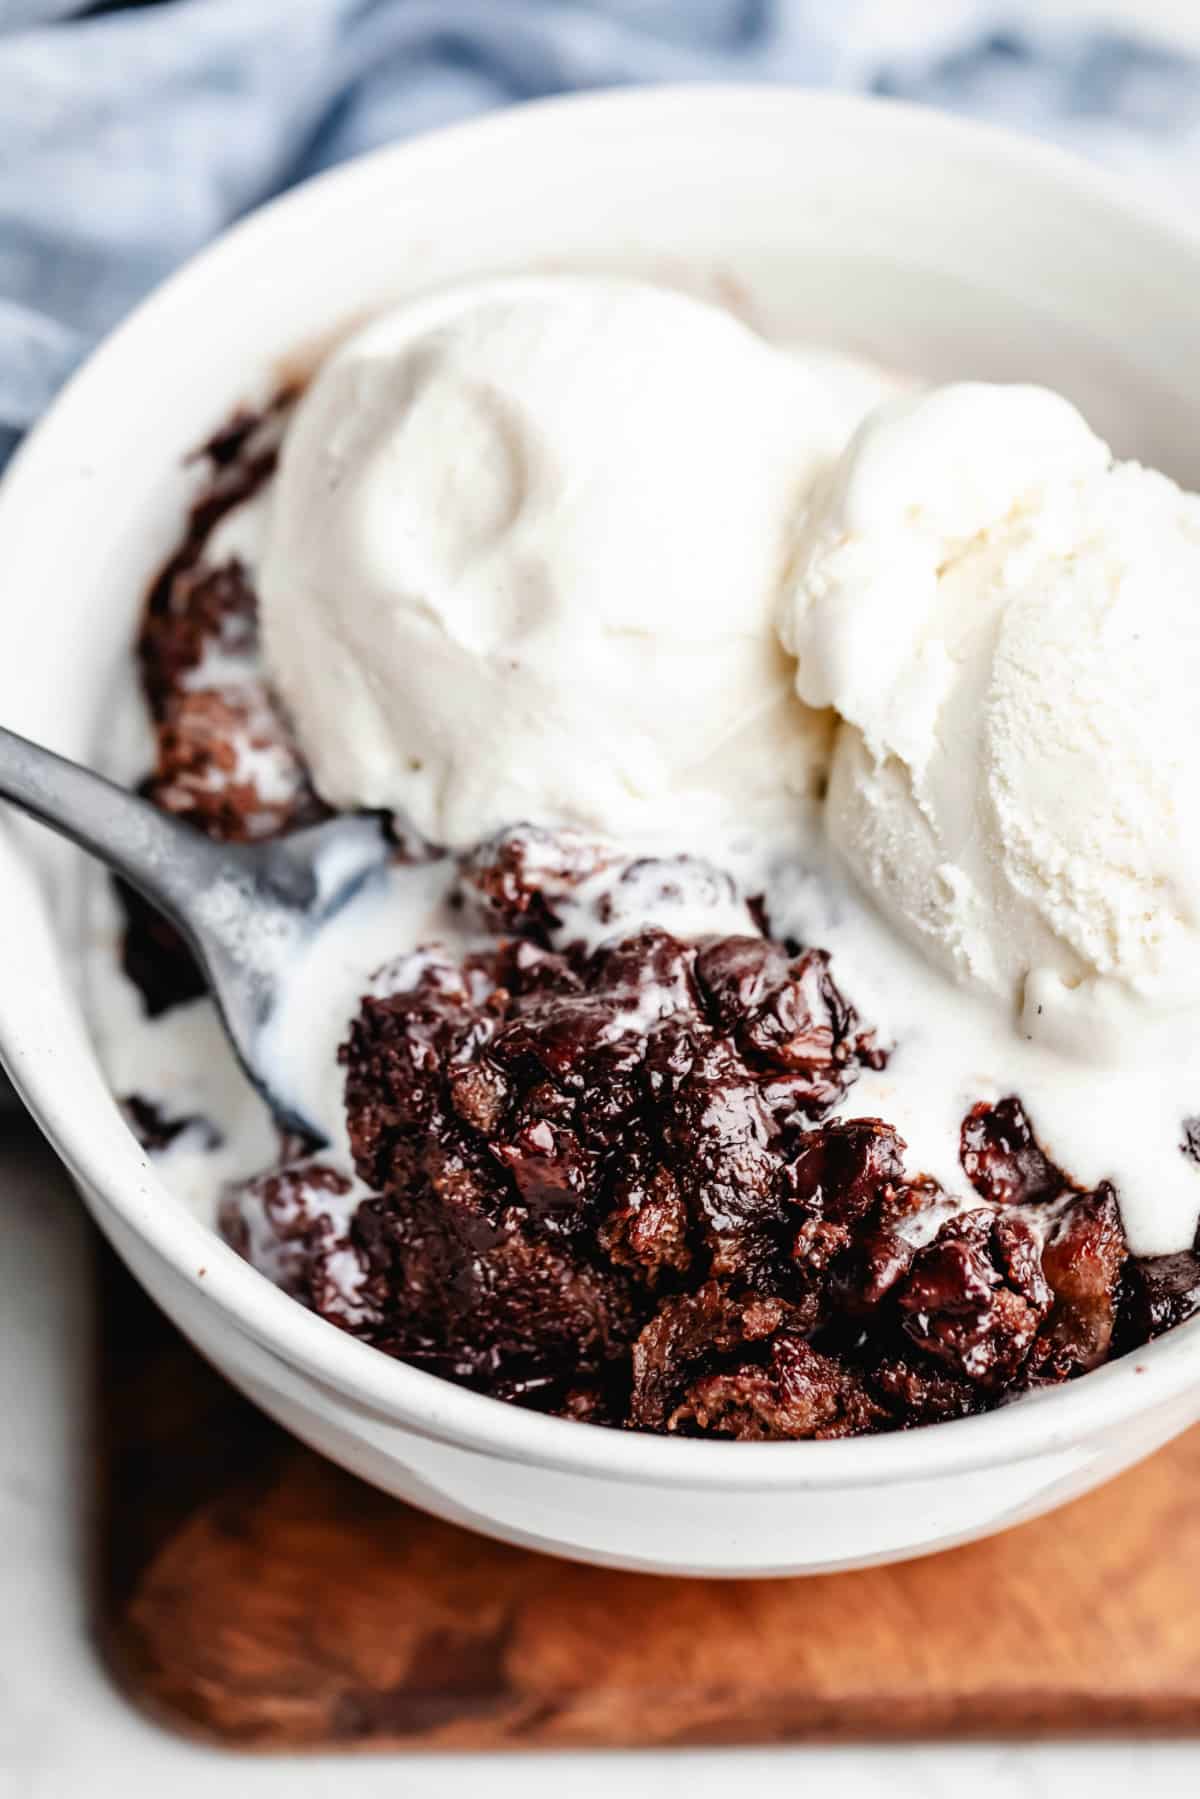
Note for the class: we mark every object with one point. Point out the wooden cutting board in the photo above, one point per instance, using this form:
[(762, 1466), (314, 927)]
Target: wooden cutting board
[(254, 1594)]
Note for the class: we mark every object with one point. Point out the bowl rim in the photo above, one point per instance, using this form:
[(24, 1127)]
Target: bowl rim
[(391, 1392)]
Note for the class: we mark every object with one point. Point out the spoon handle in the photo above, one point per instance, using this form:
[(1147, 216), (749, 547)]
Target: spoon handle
[(239, 906), (163, 858), (246, 909)]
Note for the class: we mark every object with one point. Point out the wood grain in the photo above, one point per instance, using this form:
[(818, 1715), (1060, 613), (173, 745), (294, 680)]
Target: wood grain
[(254, 1594)]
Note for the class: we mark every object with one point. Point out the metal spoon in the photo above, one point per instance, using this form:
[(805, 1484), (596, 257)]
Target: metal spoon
[(247, 910)]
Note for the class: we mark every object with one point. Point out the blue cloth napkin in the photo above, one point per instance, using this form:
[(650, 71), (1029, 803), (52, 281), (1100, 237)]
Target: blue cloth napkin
[(130, 135)]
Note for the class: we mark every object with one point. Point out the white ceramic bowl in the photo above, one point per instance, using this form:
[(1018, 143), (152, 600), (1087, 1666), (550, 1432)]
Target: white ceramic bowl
[(910, 237)]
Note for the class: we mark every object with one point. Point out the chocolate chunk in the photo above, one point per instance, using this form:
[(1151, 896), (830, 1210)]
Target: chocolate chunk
[(1159, 1292), (648, 1227), (975, 1297), (294, 1224), (157, 1130), (869, 1273), (204, 613), (786, 1014), (229, 442), (519, 878), (227, 765), (797, 1392), (1082, 1261), (689, 1334), (490, 1305), (919, 1393), (1003, 1160), (846, 1171)]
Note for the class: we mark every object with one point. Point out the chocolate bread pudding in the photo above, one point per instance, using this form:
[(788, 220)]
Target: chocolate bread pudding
[(616, 1127)]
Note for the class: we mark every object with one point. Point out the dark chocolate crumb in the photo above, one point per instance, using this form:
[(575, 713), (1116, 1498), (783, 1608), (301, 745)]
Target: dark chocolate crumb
[(155, 1131)]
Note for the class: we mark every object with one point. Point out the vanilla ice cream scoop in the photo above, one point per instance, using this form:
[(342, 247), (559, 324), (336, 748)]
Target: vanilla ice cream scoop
[(1008, 622), (523, 560)]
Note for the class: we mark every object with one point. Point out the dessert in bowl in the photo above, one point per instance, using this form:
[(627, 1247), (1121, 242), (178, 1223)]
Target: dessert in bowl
[(643, 1107)]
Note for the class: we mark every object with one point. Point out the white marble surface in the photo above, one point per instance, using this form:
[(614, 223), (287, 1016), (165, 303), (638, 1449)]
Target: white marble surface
[(64, 1732)]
